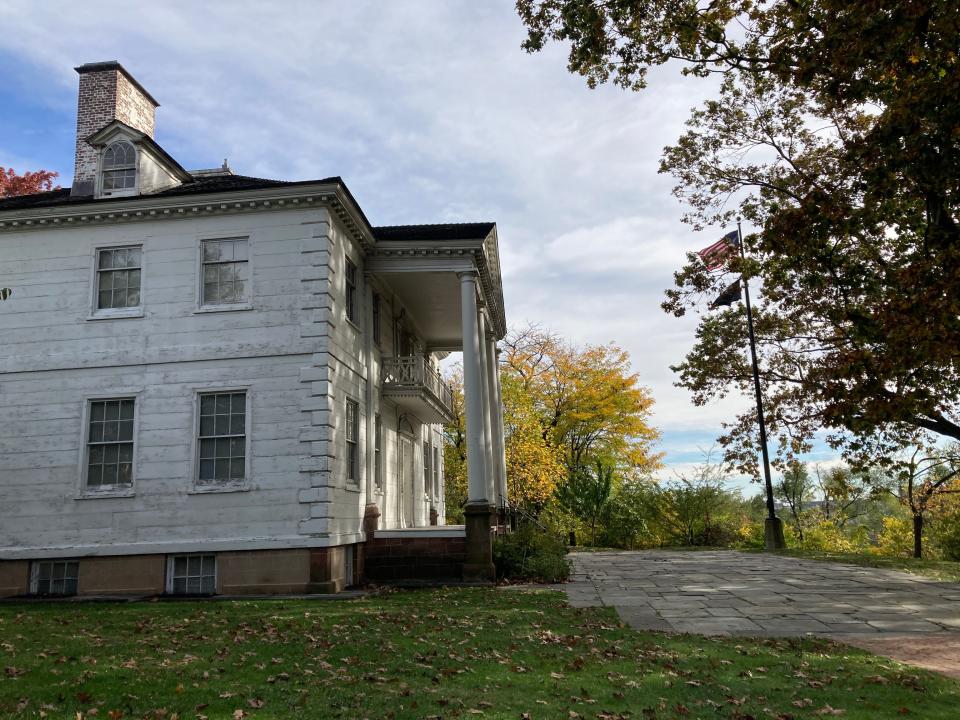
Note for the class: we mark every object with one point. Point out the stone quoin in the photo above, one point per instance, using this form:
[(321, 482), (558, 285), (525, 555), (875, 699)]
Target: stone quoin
[(222, 384)]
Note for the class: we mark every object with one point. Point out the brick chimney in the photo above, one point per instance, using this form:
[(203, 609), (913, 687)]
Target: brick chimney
[(107, 93)]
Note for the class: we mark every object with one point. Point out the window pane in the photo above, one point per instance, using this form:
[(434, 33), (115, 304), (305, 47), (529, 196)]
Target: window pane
[(94, 474), (237, 470), (206, 425), (104, 300), (211, 294), (180, 586), (193, 585), (207, 404), (239, 249), (125, 430), (211, 250), (206, 469), (125, 474), (223, 447), (110, 474), (208, 448), (222, 470), (207, 585), (96, 435), (126, 409), (223, 404), (111, 410), (222, 425), (110, 432)]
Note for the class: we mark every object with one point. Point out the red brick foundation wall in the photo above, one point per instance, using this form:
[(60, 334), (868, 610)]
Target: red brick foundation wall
[(397, 560)]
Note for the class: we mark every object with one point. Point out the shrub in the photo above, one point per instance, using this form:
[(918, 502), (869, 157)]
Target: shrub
[(896, 537), (531, 554)]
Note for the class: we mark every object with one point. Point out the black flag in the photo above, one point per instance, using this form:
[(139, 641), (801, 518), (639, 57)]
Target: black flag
[(729, 296)]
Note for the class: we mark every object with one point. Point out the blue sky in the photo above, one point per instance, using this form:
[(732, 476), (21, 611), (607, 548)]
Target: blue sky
[(431, 112)]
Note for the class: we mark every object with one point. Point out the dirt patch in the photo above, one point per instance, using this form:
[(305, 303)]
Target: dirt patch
[(939, 652)]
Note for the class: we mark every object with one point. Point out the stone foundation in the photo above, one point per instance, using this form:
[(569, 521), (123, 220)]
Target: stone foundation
[(429, 555), (250, 572)]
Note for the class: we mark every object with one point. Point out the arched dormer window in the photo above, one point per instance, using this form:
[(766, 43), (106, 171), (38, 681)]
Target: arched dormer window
[(119, 167)]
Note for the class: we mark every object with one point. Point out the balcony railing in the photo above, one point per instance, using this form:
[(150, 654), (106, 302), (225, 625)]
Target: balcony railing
[(414, 374)]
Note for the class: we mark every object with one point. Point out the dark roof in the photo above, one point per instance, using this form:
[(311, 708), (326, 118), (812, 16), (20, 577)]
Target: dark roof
[(444, 231), (201, 186)]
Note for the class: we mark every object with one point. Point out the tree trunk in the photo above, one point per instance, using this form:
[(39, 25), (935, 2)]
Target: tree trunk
[(918, 536)]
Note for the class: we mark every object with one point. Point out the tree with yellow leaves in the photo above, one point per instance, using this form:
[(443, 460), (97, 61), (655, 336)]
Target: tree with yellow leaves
[(589, 403), (565, 407)]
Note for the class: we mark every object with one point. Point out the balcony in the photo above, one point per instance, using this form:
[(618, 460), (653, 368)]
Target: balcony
[(415, 387)]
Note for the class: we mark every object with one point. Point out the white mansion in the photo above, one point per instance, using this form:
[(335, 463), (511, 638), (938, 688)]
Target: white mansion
[(214, 383)]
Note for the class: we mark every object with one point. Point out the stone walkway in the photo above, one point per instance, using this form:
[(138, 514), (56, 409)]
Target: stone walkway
[(731, 593)]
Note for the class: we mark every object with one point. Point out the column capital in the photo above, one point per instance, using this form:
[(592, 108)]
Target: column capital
[(465, 275)]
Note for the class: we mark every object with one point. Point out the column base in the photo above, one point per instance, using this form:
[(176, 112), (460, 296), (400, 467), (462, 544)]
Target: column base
[(478, 555), (371, 520), (773, 534)]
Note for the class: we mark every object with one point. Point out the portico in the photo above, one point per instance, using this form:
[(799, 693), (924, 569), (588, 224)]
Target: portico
[(448, 283)]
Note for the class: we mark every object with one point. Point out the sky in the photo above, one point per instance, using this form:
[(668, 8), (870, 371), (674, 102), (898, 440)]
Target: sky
[(431, 112)]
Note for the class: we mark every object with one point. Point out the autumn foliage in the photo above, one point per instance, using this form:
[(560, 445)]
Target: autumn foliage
[(565, 408), (27, 183)]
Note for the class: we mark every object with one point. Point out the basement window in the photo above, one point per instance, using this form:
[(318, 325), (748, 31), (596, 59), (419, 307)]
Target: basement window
[(192, 575), (54, 577)]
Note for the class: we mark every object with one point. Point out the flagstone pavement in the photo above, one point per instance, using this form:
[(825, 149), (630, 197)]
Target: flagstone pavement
[(724, 592)]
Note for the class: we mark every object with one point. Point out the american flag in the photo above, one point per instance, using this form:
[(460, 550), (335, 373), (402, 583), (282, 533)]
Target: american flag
[(716, 255)]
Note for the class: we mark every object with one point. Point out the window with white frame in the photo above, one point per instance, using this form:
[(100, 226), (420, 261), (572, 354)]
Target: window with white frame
[(378, 452), (118, 277), (192, 574), (110, 443), (353, 446), (436, 473), (118, 169), (350, 291), (376, 318), (222, 437), (226, 272), (427, 472), (54, 577)]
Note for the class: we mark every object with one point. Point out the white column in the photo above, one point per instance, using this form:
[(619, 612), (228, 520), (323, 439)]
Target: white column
[(496, 446), (499, 444), (477, 491), (485, 363)]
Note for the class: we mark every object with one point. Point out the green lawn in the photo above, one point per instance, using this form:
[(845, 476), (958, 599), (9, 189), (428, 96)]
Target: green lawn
[(494, 653), (939, 569)]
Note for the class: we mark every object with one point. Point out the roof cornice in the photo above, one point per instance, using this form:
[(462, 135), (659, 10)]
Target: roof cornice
[(168, 207), (478, 250)]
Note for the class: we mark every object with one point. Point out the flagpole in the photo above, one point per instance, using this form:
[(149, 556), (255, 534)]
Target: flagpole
[(773, 526)]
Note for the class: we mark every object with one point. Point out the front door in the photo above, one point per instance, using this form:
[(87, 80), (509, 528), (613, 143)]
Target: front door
[(406, 482)]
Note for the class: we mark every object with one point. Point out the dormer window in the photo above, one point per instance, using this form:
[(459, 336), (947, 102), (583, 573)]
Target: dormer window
[(119, 168)]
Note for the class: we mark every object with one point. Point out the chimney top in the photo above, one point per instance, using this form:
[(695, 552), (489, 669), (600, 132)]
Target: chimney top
[(115, 65)]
